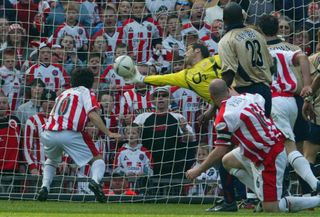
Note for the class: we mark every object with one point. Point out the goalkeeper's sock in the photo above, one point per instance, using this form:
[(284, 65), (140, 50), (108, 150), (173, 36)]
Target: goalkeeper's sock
[(97, 169), (302, 168), (48, 173)]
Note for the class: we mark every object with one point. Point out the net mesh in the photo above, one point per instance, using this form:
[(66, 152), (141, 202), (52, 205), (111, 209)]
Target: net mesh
[(42, 42)]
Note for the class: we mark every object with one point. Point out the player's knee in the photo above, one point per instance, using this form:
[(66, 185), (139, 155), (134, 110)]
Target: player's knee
[(51, 163), (290, 146), (226, 162)]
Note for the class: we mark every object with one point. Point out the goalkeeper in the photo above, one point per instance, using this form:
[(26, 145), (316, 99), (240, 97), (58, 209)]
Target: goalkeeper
[(201, 69)]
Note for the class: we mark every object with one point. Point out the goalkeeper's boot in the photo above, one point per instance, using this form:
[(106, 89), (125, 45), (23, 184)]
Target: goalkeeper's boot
[(43, 194), (97, 190), (225, 207)]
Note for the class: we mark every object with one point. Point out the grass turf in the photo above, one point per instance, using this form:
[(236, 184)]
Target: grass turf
[(80, 209)]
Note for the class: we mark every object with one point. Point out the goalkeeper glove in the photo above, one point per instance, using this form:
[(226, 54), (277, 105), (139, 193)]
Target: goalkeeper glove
[(137, 77)]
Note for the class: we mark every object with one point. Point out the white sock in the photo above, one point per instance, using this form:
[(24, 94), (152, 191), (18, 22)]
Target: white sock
[(49, 172), (97, 169), (244, 177), (302, 168), (294, 204)]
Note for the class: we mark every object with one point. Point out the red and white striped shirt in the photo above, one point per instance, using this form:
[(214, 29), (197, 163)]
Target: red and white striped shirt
[(11, 84), (284, 81), (33, 149), (71, 110), (188, 103), (110, 78), (135, 103), (138, 36), (54, 76), (77, 32), (241, 120)]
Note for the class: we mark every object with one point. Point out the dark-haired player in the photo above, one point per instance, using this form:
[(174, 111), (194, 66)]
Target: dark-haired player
[(64, 131)]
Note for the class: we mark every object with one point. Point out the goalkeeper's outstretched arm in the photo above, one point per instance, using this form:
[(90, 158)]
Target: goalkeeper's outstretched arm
[(173, 79)]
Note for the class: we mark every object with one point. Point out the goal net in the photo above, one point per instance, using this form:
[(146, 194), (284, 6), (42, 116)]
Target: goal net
[(42, 42)]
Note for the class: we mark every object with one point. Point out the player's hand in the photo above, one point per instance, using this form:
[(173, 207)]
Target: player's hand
[(308, 111), (183, 124), (306, 91), (204, 118), (193, 173), (137, 77), (115, 136)]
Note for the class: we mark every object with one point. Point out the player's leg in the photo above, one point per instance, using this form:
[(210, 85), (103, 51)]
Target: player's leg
[(310, 148), (53, 151), (82, 150), (239, 166), (284, 120)]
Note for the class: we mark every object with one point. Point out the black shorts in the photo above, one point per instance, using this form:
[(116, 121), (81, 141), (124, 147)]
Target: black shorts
[(314, 134), (261, 89), (301, 127)]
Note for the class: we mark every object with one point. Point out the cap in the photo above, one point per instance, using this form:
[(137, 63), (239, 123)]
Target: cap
[(48, 95), (111, 5), (165, 89), (17, 26), (118, 173), (43, 45)]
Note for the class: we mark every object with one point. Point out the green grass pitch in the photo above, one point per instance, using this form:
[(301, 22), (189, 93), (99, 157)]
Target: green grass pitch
[(80, 209)]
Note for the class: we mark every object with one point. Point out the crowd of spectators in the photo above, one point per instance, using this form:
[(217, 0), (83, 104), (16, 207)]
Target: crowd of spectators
[(43, 41)]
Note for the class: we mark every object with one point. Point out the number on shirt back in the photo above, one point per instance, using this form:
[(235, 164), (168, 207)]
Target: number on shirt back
[(255, 48), (63, 107)]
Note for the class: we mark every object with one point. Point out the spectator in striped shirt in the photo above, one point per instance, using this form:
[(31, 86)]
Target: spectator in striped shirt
[(33, 149)]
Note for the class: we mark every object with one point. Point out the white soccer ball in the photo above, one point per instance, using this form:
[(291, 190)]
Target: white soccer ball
[(124, 67)]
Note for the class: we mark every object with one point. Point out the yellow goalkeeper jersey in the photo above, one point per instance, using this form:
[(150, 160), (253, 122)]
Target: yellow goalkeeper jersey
[(196, 78)]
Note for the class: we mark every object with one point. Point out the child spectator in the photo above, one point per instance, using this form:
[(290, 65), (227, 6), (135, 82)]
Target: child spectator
[(100, 45), (132, 158), (10, 80), (211, 175)]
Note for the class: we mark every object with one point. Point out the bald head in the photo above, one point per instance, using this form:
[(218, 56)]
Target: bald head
[(232, 14), (218, 90)]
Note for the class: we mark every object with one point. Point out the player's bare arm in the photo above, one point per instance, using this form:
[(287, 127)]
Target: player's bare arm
[(214, 158), (97, 121), (302, 60)]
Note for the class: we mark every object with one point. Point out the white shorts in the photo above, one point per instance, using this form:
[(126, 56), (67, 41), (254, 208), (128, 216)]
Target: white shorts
[(284, 113), (267, 177), (78, 145)]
